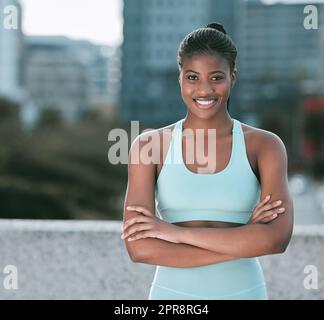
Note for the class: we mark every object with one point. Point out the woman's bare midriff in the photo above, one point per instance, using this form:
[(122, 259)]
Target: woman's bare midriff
[(206, 224), (223, 149)]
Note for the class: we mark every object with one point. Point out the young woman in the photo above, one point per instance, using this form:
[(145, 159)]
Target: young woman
[(213, 226)]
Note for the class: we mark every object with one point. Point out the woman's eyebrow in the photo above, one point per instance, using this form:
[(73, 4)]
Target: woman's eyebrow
[(189, 70)]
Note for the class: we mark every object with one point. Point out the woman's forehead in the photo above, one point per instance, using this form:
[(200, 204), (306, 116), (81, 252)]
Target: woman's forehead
[(205, 62)]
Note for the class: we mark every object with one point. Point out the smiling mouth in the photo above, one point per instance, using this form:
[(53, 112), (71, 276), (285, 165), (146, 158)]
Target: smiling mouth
[(205, 103)]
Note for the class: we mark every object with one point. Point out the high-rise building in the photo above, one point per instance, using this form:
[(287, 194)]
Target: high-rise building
[(279, 59), (113, 55), (11, 49), (69, 75), (153, 30), (321, 65)]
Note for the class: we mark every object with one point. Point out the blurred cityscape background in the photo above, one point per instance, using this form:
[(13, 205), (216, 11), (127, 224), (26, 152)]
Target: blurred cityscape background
[(60, 96)]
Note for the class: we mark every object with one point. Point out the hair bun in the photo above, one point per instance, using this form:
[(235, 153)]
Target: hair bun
[(216, 26)]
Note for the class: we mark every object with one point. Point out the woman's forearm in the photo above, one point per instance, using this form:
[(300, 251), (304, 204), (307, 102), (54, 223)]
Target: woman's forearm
[(160, 252), (242, 242)]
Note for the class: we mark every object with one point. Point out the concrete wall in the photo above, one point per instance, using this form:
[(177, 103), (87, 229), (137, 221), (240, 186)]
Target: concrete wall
[(88, 260)]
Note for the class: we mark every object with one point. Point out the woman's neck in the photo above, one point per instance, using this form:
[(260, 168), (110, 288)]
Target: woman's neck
[(223, 124)]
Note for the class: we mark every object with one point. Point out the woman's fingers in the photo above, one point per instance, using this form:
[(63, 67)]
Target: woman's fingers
[(265, 212), (140, 235), (267, 218), (131, 221), (271, 205), (140, 209), (263, 202), (134, 229), (269, 215), (267, 207)]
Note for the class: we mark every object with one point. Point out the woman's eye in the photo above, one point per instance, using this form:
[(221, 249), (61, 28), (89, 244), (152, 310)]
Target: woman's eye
[(217, 78)]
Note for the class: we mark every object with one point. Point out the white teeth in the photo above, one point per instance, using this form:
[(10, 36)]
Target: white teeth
[(205, 102)]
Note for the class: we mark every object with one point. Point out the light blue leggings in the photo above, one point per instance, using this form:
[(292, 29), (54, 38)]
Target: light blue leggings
[(240, 279)]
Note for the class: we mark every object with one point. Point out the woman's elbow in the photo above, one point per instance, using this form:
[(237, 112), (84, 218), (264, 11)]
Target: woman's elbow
[(281, 245), (278, 249), (136, 249), (133, 256), (284, 245), (271, 246), (132, 251), (281, 236)]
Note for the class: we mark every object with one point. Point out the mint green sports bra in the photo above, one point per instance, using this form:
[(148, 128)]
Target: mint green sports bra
[(229, 195)]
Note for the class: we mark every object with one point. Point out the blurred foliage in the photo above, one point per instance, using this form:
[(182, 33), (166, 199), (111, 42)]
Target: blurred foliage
[(50, 117), (58, 170)]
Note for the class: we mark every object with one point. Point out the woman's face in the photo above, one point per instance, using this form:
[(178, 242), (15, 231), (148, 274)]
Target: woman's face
[(206, 82)]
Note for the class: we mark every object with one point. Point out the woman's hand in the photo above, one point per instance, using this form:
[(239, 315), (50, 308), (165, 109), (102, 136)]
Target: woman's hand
[(148, 225), (265, 212)]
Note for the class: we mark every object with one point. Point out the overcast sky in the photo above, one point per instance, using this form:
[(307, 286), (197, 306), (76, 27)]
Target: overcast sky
[(97, 20)]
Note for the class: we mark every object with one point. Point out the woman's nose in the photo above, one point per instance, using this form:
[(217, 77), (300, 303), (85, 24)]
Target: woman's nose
[(205, 88)]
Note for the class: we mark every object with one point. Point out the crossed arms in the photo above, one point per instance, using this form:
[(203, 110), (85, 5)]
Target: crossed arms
[(202, 246)]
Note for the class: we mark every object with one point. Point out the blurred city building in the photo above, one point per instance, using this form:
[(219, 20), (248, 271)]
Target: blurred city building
[(279, 63), (109, 104), (279, 58), (153, 30), (11, 49), (280, 73), (66, 74)]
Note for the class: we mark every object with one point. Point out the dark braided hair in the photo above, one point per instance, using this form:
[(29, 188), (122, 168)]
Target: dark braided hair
[(211, 40)]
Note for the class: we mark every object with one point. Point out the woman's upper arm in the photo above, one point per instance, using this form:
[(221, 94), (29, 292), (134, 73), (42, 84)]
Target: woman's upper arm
[(141, 180), (272, 165)]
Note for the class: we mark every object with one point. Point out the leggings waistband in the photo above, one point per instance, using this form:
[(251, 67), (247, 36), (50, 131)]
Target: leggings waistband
[(212, 297)]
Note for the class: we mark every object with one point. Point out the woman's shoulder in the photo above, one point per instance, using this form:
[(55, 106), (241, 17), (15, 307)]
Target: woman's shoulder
[(263, 139), (154, 132), (156, 138)]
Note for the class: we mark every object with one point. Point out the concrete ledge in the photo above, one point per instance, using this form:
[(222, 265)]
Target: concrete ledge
[(88, 260)]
